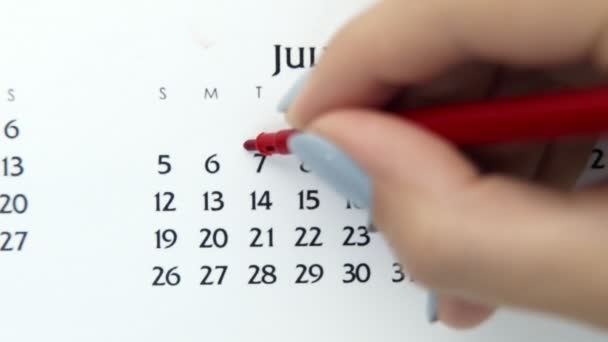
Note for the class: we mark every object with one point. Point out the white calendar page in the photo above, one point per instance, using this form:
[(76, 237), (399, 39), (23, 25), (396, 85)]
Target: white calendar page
[(127, 197)]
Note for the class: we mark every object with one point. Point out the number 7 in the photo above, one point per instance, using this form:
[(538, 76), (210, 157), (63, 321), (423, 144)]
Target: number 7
[(262, 160), (23, 236)]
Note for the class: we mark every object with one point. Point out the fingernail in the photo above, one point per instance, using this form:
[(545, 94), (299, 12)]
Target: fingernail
[(332, 165), (291, 94), (431, 307)]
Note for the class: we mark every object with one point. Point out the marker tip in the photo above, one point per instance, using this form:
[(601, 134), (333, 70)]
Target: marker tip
[(249, 145)]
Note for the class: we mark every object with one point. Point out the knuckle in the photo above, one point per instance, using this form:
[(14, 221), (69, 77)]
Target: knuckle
[(426, 238), (433, 258), (445, 245)]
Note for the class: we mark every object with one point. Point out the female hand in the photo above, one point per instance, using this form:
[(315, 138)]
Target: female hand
[(489, 227)]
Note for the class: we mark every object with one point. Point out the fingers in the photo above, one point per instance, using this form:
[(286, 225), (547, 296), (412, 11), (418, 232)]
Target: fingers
[(462, 314), (488, 239), (400, 43)]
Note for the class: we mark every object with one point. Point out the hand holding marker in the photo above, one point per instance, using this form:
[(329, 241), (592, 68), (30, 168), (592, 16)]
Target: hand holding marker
[(483, 226), (537, 117), (533, 117)]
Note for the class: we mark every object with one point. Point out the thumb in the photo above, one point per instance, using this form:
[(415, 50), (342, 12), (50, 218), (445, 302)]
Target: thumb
[(489, 239)]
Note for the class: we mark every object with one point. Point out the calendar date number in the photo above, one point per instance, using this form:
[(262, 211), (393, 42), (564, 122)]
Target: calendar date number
[(11, 242)]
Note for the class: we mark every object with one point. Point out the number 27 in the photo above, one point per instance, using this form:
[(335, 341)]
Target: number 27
[(5, 246)]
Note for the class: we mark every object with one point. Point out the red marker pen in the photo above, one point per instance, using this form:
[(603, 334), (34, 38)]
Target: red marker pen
[(270, 143), (543, 116)]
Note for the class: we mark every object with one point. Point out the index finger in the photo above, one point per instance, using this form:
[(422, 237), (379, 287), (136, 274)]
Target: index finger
[(401, 43)]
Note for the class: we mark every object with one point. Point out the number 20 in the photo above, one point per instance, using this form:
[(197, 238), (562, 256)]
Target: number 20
[(13, 204)]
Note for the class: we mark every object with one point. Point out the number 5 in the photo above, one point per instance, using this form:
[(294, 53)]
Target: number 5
[(164, 165)]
